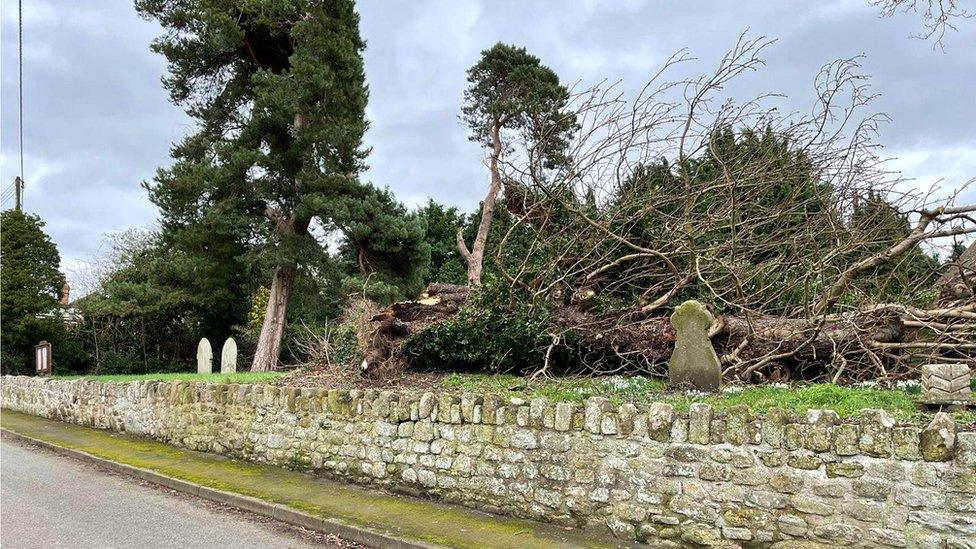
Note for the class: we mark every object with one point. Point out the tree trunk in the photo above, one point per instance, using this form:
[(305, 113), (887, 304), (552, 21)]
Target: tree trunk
[(475, 257), (648, 343), (269, 342)]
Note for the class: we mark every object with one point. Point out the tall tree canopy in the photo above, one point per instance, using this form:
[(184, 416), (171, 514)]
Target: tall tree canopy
[(510, 89), (278, 90), (30, 287)]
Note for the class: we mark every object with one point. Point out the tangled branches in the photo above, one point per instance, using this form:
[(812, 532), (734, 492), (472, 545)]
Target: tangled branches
[(788, 226)]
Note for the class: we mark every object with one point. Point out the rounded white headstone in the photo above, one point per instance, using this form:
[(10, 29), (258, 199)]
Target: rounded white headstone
[(204, 357), (228, 357)]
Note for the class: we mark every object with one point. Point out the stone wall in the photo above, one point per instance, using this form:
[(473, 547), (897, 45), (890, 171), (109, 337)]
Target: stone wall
[(644, 473)]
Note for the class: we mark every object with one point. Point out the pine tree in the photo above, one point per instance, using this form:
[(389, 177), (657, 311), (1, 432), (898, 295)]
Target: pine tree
[(511, 90), (279, 93)]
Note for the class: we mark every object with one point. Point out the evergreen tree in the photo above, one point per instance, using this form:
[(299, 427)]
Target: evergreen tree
[(442, 227), (30, 288), (909, 278), (384, 244), (278, 90), (511, 90)]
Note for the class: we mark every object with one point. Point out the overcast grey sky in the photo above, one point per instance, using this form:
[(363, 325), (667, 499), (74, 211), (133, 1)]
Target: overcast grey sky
[(97, 121)]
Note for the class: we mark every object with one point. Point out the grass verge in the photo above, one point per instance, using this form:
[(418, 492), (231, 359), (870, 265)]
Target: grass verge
[(237, 377), (411, 518)]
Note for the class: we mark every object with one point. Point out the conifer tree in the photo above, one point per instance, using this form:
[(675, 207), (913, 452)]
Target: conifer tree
[(278, 90), (30, 287), (510, 89)]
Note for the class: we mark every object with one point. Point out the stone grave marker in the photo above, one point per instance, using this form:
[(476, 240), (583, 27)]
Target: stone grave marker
[(946, 384), (228, 357), (204, 357), (694, 364)]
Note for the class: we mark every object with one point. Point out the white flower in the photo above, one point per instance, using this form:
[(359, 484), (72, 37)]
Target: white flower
[(777, 385), (732, 389)]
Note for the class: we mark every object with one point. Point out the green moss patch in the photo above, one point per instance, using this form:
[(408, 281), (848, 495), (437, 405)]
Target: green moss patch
[(397, 515)]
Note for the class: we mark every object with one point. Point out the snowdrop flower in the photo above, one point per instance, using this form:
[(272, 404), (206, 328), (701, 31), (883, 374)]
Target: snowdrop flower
[(907, 384)]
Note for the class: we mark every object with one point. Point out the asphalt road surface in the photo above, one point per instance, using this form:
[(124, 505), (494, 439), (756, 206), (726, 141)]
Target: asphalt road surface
[(49, 500)]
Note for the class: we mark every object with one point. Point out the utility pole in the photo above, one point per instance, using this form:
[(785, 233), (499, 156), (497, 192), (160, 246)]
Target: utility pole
[(19, 191)]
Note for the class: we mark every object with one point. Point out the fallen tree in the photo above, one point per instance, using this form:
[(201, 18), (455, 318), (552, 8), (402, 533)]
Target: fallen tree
[(758, 348), (815, 260)]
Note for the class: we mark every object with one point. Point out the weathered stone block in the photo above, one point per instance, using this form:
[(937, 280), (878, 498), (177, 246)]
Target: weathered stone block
[(846, 437), (795, 433), (819, 434), (876, 426), (847, 469), (773, 427), (938, 439), (468, 404), (945, 383), (715, 472), (564, 416), (966, 449), (626, 415), (693, 364), (717, 431), (426, 405), (593, 413), (699, 423), (737, 424), (905, 442), (792, 525), (659, 419), (787, 483)]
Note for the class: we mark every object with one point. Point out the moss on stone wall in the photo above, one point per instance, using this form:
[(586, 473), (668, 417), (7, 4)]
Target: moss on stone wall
[(651, 473)]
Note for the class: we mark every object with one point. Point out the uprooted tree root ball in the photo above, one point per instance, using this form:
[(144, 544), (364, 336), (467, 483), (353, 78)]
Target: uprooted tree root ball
[(779, 349)]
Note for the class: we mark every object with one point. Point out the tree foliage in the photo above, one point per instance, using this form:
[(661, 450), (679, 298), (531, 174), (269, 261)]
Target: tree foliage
[(509, 90), (30, 290), (279, 93)]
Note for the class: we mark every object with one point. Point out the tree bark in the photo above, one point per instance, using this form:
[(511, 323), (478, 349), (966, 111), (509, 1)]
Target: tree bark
[(649, 342), (475, 257), (269, 342)]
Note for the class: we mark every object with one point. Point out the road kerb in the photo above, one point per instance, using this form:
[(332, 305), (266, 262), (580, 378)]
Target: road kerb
[(257, 506)]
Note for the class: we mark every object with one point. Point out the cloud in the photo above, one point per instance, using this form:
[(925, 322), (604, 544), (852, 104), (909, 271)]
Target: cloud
[(98, 123)]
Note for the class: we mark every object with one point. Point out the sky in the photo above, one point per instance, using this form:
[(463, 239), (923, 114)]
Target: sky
[(97, 122)]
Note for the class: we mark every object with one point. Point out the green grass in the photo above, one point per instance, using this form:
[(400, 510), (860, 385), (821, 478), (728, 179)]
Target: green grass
[(563, 389), (238, 377), (846, 401)]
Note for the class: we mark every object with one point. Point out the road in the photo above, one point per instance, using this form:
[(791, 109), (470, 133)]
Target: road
[(48, 500)]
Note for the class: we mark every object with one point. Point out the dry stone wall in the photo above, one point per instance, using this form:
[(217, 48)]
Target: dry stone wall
[(641, 473)]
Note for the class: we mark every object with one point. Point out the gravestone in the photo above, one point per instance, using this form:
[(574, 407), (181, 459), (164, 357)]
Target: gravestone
[(694, 364), (204, 357), (946, 384), (228, 357)]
